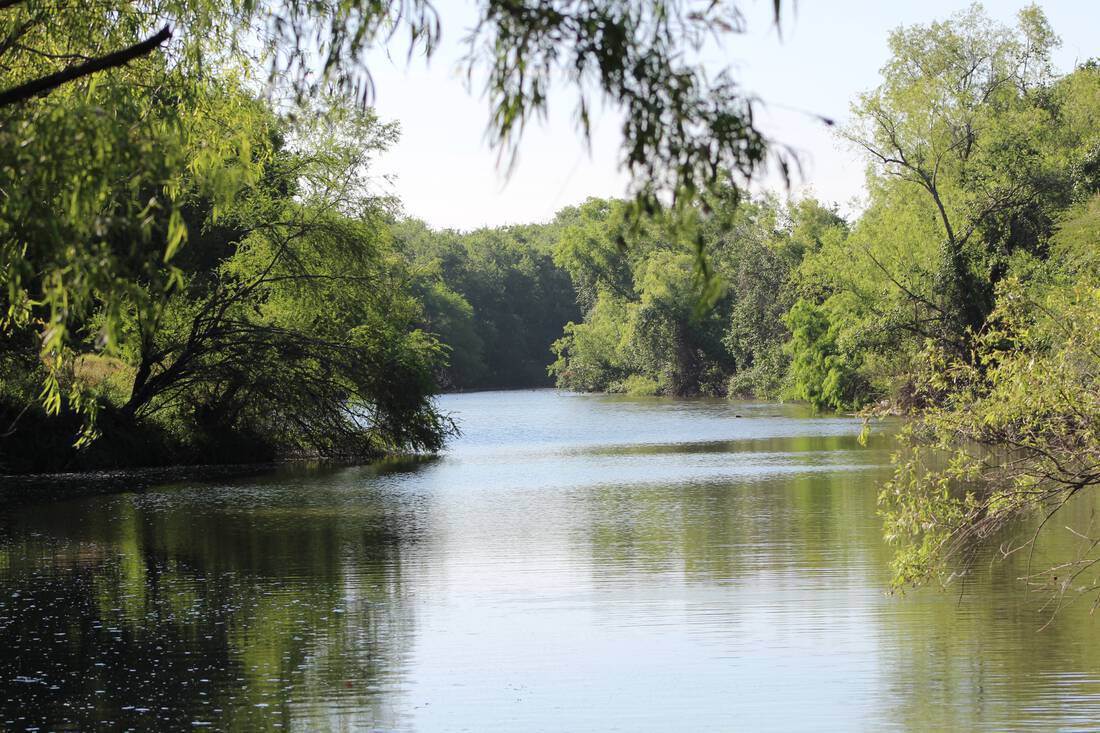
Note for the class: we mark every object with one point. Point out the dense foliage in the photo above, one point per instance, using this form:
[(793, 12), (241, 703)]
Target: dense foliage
[(968, 295), (494, 297), (283, 327), (653, 325)]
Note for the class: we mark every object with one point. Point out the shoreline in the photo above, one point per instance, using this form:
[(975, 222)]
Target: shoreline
[(15, 488)]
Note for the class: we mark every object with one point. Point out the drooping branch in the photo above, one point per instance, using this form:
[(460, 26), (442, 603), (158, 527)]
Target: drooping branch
[(46, 84)]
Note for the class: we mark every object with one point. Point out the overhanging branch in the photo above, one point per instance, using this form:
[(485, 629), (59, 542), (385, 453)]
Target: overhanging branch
[(46, 84)]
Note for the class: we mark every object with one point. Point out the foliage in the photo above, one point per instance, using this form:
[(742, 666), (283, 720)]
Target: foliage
[(284, 327), (97, 176), (96, 94), (494, 297), (303, 332), (644, 327), (1018, 427), (964, 122), (763, 286), (965, 294), (976, 150), (685, 132), (820, 372)]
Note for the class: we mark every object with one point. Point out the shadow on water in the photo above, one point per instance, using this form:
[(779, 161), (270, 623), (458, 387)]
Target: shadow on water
[(32, 488), (802, 444)]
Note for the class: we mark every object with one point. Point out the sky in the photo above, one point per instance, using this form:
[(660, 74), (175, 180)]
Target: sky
[(828, 52)]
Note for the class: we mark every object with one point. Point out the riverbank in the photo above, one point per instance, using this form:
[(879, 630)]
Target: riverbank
[(43, 448), (41, 444)]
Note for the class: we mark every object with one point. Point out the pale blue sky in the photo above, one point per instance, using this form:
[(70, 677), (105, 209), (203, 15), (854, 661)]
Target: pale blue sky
[(830, 51)]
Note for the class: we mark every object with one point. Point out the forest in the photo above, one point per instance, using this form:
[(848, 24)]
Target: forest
[(193, 273)]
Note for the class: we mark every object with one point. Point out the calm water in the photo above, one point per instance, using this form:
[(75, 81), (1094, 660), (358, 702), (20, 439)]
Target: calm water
[(571, 563)]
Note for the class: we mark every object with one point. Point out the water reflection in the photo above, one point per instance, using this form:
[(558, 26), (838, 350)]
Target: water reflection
[(573, 563), (217, 606)]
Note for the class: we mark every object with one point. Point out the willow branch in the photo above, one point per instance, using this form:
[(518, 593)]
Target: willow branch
[(46, 84)]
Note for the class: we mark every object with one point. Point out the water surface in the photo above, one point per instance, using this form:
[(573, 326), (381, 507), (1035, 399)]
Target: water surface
[(570, 563)]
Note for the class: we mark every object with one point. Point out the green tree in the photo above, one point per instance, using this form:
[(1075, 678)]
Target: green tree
[(820, 372), (961, 119), (285, 327), (676, 332), (69, 76), (495, 298), (303, 332), (759, 260), (1012, 432), (976, 149)]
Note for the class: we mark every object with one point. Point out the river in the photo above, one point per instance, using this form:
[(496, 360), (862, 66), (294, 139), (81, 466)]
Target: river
[(570, 563)]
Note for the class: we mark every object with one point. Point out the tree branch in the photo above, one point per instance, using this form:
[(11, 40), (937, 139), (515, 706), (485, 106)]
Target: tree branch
[(46, 84)]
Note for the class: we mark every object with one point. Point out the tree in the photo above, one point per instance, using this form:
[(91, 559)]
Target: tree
[(65, 74), (495, 298), (1012, 432), (976, 149), (960, 118), (640, 278), (97, 174), (652, 324), (298, 331), (820, 372), (760, 258), (285, 327)]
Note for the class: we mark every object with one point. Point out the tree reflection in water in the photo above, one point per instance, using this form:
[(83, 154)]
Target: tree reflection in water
[(202, 606)]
